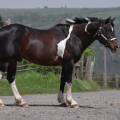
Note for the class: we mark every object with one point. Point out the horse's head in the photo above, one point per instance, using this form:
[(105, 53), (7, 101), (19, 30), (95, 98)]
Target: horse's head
[(106, 34)]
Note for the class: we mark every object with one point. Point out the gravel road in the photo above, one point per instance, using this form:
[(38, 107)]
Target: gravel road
[(103, 105)]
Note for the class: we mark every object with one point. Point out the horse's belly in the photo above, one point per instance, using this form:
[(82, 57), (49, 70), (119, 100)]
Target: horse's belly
[(43, 60)]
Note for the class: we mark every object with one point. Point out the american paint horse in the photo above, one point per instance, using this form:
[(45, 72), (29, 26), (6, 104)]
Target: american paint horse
[(62, 45)]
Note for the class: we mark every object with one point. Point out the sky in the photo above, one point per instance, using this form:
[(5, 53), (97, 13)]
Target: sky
[(16, 4)]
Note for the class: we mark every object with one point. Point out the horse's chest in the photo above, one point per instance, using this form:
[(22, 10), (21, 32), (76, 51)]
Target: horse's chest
[(62, 44)]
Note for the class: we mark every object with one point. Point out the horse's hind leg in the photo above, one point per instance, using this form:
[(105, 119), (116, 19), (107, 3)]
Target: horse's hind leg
[(11, 78), (61, 91), (1, 102), (3, 67)]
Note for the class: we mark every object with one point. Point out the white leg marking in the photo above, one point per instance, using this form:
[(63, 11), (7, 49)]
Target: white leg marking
[(62, 44), (1, 101), (69, 98), (18, 98), (61, 97), (15, 91), (1, 75)]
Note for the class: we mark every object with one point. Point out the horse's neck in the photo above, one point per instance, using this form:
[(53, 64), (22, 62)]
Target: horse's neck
[(85, 38)]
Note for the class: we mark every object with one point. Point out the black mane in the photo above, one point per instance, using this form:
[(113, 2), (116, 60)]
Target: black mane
[(77, 20), (81, 20)]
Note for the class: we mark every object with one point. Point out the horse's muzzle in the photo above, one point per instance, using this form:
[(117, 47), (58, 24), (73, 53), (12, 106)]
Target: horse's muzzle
[(116, 48)]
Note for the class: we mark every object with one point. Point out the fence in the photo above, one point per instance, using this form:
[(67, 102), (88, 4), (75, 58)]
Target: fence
[(111, 81), (78, 70), (81, 73)]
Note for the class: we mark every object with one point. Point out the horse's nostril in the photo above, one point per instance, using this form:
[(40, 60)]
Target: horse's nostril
[(117, 46)]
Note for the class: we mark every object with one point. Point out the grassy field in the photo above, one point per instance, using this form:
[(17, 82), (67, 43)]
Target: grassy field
[(36, 83), (80, 12)]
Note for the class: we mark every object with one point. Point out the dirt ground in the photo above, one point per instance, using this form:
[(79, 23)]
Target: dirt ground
[(102, 105)]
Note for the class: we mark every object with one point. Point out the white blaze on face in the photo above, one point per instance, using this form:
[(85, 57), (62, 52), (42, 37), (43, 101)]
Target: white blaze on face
[(62, 44), (111, 27)]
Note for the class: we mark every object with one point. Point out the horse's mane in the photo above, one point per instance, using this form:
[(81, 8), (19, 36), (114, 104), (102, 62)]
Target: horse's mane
[(77, 20)]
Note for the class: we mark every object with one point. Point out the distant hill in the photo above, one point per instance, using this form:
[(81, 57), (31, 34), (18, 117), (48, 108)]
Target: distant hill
[(48, 17)]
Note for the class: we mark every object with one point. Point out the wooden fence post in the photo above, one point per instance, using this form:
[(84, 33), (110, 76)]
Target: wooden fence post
[(77, 70), (105, 68), (81, 68), (87, 68), (117, 83), (104, 81), (91, 68)]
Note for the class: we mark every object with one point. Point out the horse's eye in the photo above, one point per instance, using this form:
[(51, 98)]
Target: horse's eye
[(105, 28)]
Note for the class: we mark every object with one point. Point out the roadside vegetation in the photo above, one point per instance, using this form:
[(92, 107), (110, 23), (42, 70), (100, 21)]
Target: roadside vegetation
[(32, 82)]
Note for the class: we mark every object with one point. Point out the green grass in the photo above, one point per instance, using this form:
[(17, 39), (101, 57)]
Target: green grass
[(36, 83)]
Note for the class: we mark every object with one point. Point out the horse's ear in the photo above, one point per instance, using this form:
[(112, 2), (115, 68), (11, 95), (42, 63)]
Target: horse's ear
[(107, 20), (113, 19)]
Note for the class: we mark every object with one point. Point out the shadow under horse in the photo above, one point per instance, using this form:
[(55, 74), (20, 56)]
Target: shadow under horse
[(61, 45)]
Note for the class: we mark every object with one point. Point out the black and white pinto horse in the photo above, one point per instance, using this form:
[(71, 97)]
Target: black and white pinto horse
[(62, 45)]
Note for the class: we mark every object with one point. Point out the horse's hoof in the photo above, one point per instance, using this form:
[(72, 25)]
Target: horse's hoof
[(2, 105), (75, 106), (24, 105), (63, 105)]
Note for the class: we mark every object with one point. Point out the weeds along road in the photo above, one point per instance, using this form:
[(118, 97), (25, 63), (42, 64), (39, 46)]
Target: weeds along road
[(102, 105)]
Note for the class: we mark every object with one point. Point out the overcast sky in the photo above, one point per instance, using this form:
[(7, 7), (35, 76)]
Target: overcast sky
[(59, 3)]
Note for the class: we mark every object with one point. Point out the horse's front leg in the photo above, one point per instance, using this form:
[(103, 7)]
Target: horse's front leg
[(69, 98), (11, 78), (68, 73), (66, 77)]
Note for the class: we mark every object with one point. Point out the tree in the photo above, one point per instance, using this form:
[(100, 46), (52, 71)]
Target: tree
[(1, 22), (88, 51)]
